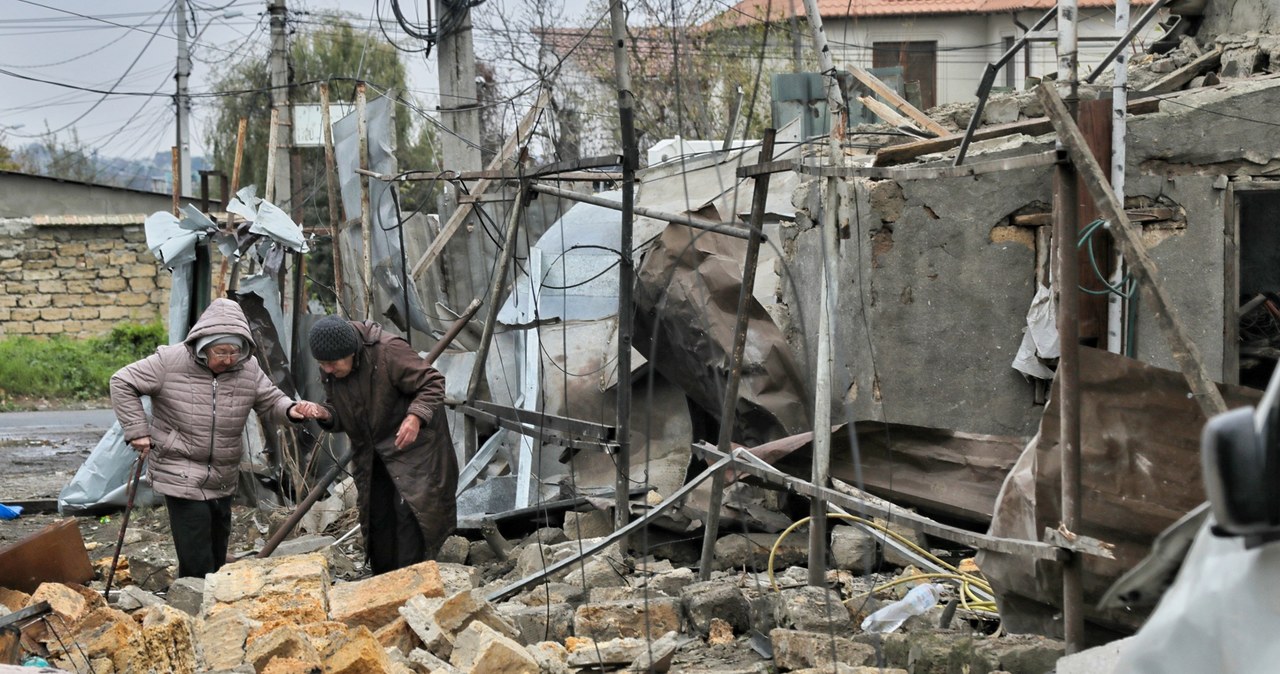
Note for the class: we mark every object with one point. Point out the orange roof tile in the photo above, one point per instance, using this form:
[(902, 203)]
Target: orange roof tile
[(748, 10)]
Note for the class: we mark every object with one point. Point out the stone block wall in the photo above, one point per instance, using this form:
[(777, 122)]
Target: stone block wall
[(77, 276)]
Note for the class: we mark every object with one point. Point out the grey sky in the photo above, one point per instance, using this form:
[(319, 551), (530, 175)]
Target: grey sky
[(49, 40)]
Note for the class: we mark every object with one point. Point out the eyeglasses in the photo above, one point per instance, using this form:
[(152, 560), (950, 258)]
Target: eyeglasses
[(227, 354)]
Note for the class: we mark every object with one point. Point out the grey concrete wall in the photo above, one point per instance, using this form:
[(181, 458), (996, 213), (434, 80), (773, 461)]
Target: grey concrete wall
[(25, 195), (932, 304), (1239, 16)]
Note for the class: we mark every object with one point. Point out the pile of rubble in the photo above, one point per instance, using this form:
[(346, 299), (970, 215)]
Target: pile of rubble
[(607, 611)]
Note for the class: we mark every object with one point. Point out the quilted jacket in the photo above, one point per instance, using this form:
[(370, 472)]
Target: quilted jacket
[(197, 417)]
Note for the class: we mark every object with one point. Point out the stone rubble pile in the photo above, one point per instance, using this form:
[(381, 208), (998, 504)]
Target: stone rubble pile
[(612, 612)]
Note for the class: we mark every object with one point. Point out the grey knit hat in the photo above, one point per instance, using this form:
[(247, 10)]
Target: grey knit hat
[(333, 338)]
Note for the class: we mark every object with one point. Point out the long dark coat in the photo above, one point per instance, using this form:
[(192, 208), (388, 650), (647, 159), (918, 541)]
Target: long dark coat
[(389, 380)]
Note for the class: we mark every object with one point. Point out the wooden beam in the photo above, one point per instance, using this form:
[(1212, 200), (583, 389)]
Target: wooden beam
[(1184, 351), (460, 214), (885, 113), (899, 103), (1180, 77), (897, 154)]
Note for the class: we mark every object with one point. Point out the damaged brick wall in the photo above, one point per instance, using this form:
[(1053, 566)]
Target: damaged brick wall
[(77, 280)]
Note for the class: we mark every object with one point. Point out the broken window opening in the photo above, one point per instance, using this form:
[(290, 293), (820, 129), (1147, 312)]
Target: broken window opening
[(1256, 310)]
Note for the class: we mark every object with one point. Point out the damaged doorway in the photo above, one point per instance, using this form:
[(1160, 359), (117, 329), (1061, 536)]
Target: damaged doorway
[(1253, 282)]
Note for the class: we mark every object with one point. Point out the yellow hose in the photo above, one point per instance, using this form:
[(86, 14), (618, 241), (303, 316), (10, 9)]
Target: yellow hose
[(968, 599)]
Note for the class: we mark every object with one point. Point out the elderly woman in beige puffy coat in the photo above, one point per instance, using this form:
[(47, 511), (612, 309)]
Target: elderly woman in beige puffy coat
[(202, 391)]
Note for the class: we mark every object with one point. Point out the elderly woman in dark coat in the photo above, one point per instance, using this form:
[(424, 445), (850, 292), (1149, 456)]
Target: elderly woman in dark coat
[(389, 402), (202, 392)]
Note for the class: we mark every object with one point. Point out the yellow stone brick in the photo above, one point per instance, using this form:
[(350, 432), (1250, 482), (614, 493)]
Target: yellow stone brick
[(108, 633), (68, 604), (69, 249), (111, 313), (55, 314), (168, 638), (376, 601), (19, 328), (52, 287), (398, 635), (49, 328), (138, 271), (8, 301), (291, 666), (132, 299), (356, 652), (84, 313), (292, 588), (36, 301), (14, 599), (285, 641), (34, 273), (110, 285)]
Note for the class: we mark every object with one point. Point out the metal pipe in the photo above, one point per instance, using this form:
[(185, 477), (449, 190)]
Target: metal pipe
[(366, 222), (1116, 305), (626, 263), (1069, 337), (1117, 50), (727, 228), (728, 408), (827, 301)]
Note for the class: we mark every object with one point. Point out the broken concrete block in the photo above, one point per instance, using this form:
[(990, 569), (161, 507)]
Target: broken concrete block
[(168, 639), (482, 650), (430, 663), (886, 200), (589, 524), (797, 649), (376, 601), (1023, 654), (620, 593), (841, 668), (398, 635), (552, 658), (479, 553), (715, 599), (291, 588), (536, 624), (152, 574), (606, 655), (891, 556), (657, 656), (186, 594), (551, 593), (457, 578), (420, 614), (671, 583), (853, 549), (611, 620), (285, 642), (1000, 110), (355, 652), (751, 551), (221, 638), (454, 550), (463, 608), (289, 666), (545, 536), (303, 545), (814, 609), (133, 598)]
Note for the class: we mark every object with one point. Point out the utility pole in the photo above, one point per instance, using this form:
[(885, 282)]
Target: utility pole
[(278, 64), (183, 103), (626, 265), (460, 114)]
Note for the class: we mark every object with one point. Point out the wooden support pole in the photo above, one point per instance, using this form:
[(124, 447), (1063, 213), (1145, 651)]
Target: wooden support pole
[(728, 408), (335, 198), (366, 220), (899, 103), (494, 298), (1185, 352), (269, 190), (464, 209), (177, 181)]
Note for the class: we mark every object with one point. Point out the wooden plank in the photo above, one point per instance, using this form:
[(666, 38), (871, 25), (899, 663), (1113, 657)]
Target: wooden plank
[(900, 173), (460, 214), (885, 113), (899, 103), (54, 554), (1180, 77), (897, 154), (1184, 351)]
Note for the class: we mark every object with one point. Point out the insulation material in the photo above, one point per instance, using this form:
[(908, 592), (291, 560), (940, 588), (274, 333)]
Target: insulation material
[(1140, 438), (686, 309)]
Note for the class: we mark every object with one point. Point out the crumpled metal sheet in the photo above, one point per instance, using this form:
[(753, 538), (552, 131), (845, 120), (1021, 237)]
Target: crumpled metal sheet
[(1140, 438), (1041, 337), (168, 240), (686, 309)]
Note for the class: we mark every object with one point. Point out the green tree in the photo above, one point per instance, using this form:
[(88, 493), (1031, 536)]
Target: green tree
[(7, 162), (336, 53)]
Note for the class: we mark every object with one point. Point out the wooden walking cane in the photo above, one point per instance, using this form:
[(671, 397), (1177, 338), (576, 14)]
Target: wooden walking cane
[(132, 491)]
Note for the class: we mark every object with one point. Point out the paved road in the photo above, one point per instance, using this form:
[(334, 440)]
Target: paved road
[(56, 420)]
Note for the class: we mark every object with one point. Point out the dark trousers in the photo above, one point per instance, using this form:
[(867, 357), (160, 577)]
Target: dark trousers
[(394, 537), (201, 530)]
